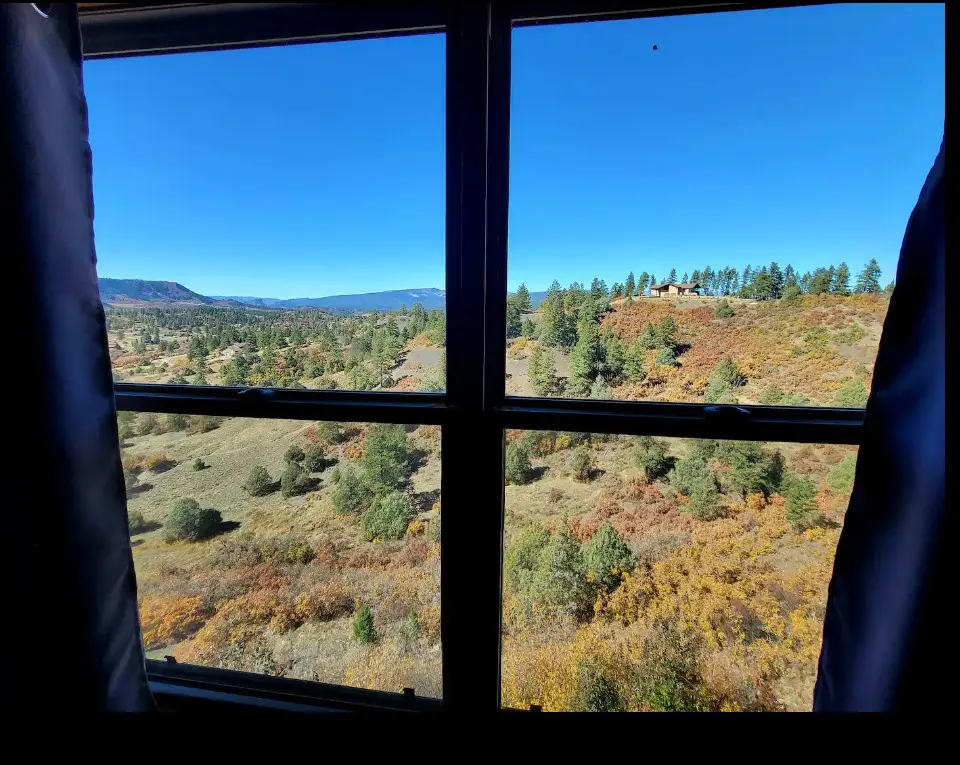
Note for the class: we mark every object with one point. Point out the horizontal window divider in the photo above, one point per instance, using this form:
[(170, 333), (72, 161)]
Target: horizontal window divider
[(137, 30), (283, 690), (285, 404), (746, 423), (534, 12)]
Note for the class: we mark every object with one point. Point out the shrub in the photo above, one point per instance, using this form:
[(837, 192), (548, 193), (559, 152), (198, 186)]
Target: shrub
[(840, 478), (752, 471), (725, 379), (560, 584), (689, 473), (386, 460), (258, 483), (669, 680), (581, 464), (723, 310), (148, 424), (204, 423), (364, 631), (522, 555), (335, 476), (703, 504), (330, 433), (853, 394), (313, 460), (126, 425), (351, 495), (199, 464), (518, 468), (294, 480), (771, 395), (389, 518), (158, 463), (169, 620), (294, 454), (607, 556), (595, 692), (433, 530), (652, 457), (135, 522), (666, 357), (186, 521), (176, 422), (130, 481), (802, 509)]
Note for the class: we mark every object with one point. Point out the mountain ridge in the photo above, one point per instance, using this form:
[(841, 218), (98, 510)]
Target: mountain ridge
[(136, 291)]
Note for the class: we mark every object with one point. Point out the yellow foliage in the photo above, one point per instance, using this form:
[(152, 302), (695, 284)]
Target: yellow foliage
[(166, 620), (562, 442), (416, 528)]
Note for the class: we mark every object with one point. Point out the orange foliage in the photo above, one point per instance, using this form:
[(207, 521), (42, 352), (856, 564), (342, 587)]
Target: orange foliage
[(165, 620)]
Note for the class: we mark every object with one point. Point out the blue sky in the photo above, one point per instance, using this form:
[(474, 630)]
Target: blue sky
[(799, 135)]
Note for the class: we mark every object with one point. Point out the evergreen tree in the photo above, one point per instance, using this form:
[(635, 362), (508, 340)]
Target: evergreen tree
[(868, 280), (695, 276), (523, 299), (653, 280), (841, 280), (746, 281), (706, 277), (762, 287), (586, 358), (543, 372), (672, 278), (560, 583), (607, 556), (633, 368), (630, 285), (643, 283), (686, 277), (776, 281), (556, 325)]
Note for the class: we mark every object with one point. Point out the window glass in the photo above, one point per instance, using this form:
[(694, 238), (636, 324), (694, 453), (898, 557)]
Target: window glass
[(302, 549), (709, 208), (273, 216), (658, 574)]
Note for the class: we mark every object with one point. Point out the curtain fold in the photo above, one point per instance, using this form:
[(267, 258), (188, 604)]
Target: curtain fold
[(884, 632), (74, 612)]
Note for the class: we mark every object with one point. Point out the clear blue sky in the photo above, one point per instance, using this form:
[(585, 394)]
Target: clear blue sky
[(797, 135)]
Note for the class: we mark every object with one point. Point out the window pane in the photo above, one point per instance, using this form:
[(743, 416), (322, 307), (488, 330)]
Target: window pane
[(257, 208), (302, 549), (709, 208), (649, 574)]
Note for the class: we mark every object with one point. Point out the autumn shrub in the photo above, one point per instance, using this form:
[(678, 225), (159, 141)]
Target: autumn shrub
[(364, 631), (389, 518), (801, 507), (249, 551), (313, 459), (187, 521), (158, 463), (326, 601), (607, 556), (203, 423), (165, 619), (294, 480), (853, 394), (518, 468), (840, 478), (652, 457), (351, 495), (258, 483), (581, 464)]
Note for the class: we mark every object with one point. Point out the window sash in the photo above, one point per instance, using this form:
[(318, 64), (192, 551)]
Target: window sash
[(474, 411)]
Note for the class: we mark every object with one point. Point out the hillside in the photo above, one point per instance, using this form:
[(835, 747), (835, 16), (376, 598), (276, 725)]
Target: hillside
[(143, 291), (390, 300)]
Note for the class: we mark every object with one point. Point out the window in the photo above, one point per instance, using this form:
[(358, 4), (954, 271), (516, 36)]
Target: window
[(778, 475), (703, 208), (660, 574)]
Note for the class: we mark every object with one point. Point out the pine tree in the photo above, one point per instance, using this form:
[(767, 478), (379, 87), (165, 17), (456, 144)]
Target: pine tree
[(841, 280), (745, 281), (776, 281), (653, 280), (643, 283), (686, 277), (586, 358), (523, 299), (868, 280), (672, 278), (630, 285)]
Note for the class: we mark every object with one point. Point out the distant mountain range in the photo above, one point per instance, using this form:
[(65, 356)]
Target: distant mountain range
[(135, 291)]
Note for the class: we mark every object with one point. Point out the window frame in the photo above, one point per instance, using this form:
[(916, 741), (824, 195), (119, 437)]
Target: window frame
[(474, 411)]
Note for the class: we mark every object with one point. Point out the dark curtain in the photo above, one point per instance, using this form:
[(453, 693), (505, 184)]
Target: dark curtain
[(885, 632), (73, 634)]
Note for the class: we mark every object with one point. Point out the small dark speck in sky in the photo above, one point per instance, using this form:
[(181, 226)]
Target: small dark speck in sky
[(655, 47)]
